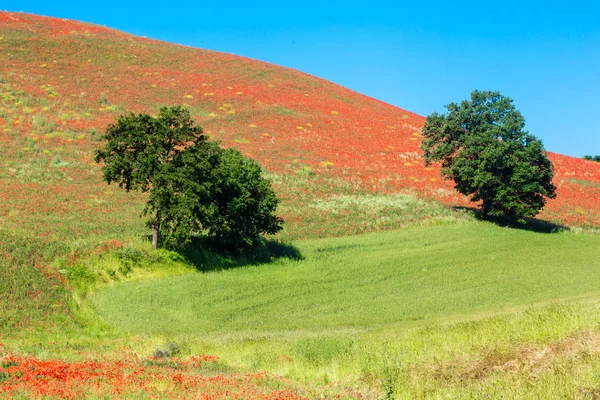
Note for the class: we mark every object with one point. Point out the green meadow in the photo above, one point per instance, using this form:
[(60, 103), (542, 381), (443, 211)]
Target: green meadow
[(453, 309), (363, 281), (447, 307)]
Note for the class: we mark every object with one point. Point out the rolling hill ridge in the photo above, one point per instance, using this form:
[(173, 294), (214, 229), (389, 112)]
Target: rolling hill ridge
[(64, 81)]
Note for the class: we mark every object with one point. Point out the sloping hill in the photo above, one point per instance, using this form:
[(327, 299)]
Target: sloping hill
[(62, 82), (342, 163)]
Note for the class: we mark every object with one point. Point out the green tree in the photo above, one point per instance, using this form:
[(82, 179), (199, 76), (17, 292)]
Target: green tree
[(594, 158), (218, 192), (484, 149), (195, 187), (244, 202)]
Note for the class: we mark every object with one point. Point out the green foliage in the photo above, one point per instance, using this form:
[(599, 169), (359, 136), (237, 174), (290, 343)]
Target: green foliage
[(140, 148), (484, 148), (244, 200), (194, 186), (218, 191), (592, 158)]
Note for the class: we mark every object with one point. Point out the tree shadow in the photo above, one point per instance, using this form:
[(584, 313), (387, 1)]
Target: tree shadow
[(206, 258), (531, 224)]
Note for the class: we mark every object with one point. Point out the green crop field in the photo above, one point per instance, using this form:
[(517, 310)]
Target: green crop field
[(452, 309), (364, 281)]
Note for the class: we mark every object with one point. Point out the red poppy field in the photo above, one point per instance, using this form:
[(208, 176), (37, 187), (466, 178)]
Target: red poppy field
[(62, 82), (173, 379)]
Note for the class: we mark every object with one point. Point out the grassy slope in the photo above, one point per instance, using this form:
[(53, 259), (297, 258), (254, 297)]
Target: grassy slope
[(408, 313), (365, 281), (62, 82), (327, 148)]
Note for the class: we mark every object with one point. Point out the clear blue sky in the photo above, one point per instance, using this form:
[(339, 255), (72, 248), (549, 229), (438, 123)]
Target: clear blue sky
[(419, 55)]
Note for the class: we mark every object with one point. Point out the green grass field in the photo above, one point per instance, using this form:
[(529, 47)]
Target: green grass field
[(364, 281), (460, 309)]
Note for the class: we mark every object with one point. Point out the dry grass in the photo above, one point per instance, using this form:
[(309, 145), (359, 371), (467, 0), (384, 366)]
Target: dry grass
[(529, 361)]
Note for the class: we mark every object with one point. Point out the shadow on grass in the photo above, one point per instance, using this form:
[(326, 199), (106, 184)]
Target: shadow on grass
[(202, 254), (531, 224)]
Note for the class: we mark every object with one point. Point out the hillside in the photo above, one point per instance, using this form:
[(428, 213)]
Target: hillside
[(342, 164), (64, 81)]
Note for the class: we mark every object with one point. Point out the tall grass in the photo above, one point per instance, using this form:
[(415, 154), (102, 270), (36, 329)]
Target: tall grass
[(30, 295)]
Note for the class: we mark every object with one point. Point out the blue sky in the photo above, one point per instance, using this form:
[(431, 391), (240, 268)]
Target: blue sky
[(418, 56)]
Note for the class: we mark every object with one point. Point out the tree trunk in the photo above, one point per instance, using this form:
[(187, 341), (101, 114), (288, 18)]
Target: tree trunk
[(485, 209), (156, 230)]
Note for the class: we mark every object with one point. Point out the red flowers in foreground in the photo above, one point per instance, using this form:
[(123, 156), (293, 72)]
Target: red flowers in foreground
[(197, 378)]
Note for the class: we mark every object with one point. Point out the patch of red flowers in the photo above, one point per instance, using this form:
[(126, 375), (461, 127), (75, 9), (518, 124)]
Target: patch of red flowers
[(164, 378)]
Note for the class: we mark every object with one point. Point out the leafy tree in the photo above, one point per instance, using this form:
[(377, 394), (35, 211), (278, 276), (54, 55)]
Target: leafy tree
[(218, 192), (483, 147), (195, 187), (594, 158)]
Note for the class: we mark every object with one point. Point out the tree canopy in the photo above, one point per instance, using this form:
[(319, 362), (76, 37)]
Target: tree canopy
[(483, 147), (592, 158), (195, 187)]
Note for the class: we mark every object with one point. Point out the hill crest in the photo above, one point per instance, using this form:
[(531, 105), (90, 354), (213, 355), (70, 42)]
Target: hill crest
[(63, 81)]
